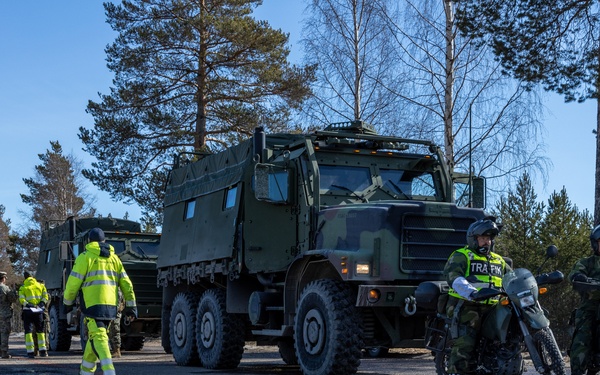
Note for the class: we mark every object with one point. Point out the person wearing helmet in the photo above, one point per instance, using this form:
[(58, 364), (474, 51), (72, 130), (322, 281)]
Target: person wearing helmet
[(585, 270), (467, 270)]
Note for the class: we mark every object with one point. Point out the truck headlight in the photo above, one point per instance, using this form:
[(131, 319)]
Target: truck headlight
[(363, 268)]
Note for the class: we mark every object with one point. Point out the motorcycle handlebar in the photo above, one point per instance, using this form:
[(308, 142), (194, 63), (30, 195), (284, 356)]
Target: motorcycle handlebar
[(553, 277)]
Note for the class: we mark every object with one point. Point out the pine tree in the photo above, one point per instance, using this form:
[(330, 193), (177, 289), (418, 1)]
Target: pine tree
[(521, 216), (56, 191), (569, 230), (189, 76)]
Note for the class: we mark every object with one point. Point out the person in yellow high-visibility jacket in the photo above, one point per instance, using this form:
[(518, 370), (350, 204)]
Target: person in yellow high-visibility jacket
[(99, 273), (33, 296)]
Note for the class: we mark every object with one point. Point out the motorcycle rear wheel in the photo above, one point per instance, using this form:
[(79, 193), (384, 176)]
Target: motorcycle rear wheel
[(549, 352)]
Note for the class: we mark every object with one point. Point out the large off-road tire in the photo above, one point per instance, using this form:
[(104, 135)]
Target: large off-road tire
[(182, 329), (220, 335), (549, 352), (327, 329), (287, 351), (58, 337), (132, 343)]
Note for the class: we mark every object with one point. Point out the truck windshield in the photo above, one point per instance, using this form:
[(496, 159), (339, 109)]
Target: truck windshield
[(344, 178), (408, 183), (145, 248), (118, 245)]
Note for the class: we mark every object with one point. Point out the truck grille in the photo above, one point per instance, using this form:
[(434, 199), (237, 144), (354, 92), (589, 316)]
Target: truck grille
[(428, 241)]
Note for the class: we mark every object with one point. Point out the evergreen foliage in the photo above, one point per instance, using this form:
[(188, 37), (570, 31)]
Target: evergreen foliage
[(189, 76), (528, 228)]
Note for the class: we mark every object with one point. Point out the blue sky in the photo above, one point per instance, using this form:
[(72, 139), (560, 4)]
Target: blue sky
[(52, 62)]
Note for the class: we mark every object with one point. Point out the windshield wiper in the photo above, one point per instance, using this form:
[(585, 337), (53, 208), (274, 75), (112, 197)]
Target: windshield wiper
[(365, 200), (142, 252), (398, 189)]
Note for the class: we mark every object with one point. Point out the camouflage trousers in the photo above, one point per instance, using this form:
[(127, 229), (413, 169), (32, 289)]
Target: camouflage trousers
[(462, 358), (5, 326), (114, 333), (582, 346)]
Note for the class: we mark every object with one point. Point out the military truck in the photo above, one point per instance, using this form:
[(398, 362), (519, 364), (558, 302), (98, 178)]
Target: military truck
[(314, 242), (60, 244)]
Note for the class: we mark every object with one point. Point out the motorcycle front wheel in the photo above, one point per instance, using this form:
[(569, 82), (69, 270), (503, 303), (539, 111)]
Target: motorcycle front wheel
[(549, 352)]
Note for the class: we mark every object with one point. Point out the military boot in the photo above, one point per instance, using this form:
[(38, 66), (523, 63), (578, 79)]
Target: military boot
[(4, 354), (116, 353), (43, 353)]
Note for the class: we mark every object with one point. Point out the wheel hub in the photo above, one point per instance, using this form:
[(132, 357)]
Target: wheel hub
[(179, 330), (207, 330), (313, 330)]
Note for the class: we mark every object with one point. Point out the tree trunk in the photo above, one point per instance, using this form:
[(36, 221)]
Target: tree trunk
[(597, 176), (449, 91)]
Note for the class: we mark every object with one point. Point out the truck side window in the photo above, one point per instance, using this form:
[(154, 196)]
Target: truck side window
[(230, 196), (190, 207)]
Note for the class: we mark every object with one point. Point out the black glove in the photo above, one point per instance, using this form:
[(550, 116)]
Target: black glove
[(131, 312), (581, 278), (42, 305), (29, 305), (68, 308)]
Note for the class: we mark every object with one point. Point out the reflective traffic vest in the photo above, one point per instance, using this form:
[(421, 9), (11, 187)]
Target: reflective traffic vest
[(488, 271)]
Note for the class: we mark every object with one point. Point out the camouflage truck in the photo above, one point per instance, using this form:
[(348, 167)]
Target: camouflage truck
[(60, 244), (315, 243)]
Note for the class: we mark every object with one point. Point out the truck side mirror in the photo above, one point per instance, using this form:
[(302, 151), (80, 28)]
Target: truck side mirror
[(461, 190), (271, 183), (65, 250)]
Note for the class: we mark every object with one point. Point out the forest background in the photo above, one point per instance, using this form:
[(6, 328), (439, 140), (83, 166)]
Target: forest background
[(58, 63)]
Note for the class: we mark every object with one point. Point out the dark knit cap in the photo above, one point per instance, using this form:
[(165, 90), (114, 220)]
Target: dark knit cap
[(96, 234)]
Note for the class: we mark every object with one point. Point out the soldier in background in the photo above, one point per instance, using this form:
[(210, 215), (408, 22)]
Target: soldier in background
[(7, 298), (114, 333)]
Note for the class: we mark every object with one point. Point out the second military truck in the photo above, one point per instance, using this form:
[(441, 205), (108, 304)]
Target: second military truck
[(61, 243), (314, 243)]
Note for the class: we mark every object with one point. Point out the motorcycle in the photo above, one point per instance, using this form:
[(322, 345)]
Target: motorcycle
[(592, 285), (517, 323)]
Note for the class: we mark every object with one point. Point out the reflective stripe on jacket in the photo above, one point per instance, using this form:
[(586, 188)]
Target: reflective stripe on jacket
[(99, 273), (32, 292), (488, 271)]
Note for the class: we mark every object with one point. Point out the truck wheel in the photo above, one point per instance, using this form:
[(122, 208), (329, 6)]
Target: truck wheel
[(182, 329), (132, 343), (287, 351), (220, 336), (327, 330), (59, 337)]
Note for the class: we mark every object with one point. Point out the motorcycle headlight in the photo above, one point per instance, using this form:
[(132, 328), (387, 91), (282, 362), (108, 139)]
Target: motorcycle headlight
[(526, 299)]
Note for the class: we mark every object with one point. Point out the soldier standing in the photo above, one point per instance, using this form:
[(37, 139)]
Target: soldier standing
[(114, 333), (7, 297), (585, 270)]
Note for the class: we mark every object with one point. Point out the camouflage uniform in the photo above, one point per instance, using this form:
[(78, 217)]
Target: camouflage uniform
[(585, 318), (114, 333), (7, 297), (467, 324)]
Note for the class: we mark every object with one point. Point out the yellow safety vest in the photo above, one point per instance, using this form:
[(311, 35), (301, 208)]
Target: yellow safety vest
[(488, 271)]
